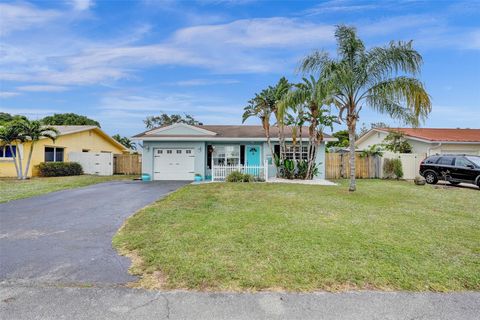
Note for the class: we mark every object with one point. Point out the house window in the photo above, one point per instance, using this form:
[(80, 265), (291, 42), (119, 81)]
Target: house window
[(169, 151), (291, 150), (179, 151), (6, 152), (226, 155), (188, 151), (54, 154)]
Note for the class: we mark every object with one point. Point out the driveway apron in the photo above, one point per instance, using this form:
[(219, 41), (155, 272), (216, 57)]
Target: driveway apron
[(65, 236)]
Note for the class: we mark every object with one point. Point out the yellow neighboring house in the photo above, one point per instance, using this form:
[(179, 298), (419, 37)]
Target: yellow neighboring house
[(70, 139)]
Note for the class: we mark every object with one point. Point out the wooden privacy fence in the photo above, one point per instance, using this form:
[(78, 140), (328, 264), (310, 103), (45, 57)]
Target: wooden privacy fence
[(127, 164), (337, 165)]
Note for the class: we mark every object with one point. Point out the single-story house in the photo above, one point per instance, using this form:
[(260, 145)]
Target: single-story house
[(179, 151), (428, 140), (74, 139)]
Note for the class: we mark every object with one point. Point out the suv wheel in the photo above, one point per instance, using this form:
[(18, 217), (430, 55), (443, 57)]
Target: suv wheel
[(431, 177)]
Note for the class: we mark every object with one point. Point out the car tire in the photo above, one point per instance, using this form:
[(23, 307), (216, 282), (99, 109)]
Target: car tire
[(431, 177)]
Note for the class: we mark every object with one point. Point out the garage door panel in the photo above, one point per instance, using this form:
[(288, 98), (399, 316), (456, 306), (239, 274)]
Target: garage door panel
[(174, 164)]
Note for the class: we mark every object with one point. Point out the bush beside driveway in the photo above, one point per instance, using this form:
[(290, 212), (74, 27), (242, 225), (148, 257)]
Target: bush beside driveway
[(389, 235)]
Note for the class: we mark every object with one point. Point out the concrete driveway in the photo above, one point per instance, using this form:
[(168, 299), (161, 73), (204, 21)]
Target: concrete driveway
[(65, 237)]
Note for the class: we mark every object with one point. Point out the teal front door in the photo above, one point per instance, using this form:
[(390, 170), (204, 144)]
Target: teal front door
[(252, 155)]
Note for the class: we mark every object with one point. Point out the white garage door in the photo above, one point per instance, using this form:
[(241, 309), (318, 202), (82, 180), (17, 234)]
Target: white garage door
[(174, 164)]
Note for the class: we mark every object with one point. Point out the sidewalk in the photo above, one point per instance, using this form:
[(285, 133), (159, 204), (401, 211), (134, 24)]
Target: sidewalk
[(17, 302)]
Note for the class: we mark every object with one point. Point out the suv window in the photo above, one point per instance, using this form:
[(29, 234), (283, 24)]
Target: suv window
[(431, 160), (462, 162), (445, 161)]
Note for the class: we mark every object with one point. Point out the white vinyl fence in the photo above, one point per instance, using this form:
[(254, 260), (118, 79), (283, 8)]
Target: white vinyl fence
[(221, 172), (93, 163), (410, 163)]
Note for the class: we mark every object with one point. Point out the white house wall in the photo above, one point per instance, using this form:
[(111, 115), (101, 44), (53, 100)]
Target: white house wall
[(421, 147)]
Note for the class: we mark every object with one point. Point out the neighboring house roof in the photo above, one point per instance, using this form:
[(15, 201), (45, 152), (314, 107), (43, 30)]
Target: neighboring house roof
[(219, 132), (432, 134), (65, 130)]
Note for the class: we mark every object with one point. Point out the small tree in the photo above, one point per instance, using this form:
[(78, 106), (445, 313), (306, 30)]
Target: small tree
[(342, 142), (10, 137), (395, 141), (125, 141), (165, 120), (33, 131)]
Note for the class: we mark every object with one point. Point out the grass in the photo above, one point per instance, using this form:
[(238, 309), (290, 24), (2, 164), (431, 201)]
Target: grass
[(12, 189), (388, 235)]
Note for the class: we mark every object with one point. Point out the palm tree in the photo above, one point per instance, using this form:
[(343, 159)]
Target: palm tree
[(34, 131), (261, 106), (10, 136), (311, 95), (125, 141), (382, 78)]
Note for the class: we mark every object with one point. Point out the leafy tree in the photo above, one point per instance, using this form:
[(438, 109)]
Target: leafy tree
[(69, 119), (312, 96), (395, 141), (342, 137), (165, 120), (125, 141), (382, 78), (264, 105), (7, 117), (33, 131), (9, 137)]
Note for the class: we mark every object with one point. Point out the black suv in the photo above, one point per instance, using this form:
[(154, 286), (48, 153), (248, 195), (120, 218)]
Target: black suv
[(454, 168)]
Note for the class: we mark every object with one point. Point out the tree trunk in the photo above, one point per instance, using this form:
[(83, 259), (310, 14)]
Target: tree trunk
[(351, 137), (28, 161), (20, 164), (14, 157)]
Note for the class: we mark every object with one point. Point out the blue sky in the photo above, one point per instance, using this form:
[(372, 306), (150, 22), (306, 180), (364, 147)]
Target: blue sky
[(120, 61)]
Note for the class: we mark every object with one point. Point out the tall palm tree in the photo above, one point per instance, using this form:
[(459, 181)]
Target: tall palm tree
[(382, 78), (261, 106), (312, 95), (33, 131), (10, 136)]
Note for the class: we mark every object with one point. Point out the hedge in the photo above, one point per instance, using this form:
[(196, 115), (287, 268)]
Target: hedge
[(59, 169)]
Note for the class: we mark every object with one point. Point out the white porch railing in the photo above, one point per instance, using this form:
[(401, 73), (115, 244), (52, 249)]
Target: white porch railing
[(220, 172)]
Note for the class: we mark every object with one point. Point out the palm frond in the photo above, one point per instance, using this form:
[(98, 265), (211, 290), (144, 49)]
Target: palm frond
[(402, 98)]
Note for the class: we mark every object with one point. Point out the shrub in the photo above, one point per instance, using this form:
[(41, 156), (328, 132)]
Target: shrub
[(397, 168), (59, 169), (235, 176), (392, 168)]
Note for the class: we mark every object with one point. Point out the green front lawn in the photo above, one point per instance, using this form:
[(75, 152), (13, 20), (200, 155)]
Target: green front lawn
[(12, 189), (388, 235)]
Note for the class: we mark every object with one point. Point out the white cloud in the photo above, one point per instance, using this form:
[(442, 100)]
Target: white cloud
[(42, 88), (340, 6), (204, 82), (81, 5), (257, 33), (23, 16), (8, 94)]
